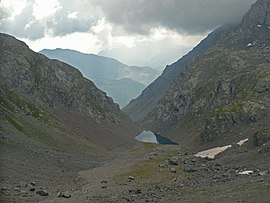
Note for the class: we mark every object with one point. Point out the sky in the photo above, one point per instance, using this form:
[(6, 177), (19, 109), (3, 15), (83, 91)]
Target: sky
[(142, 32)]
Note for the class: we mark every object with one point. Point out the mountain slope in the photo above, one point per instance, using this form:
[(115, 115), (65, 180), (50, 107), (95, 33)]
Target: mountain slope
[(224, 93), (122, 90), (102, 70), (57, 88), (49, 110), (53, 123), (138, 108)]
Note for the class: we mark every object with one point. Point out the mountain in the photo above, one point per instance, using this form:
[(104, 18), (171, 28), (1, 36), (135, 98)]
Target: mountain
[(103, 71), (52, 93), (223, 93), (121, 90), (138, 108), (48, 109)]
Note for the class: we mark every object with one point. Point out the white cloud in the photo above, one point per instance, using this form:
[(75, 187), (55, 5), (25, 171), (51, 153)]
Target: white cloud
[(42, 9), (15, 7), (84, 42), (160, 48), (73, 15)]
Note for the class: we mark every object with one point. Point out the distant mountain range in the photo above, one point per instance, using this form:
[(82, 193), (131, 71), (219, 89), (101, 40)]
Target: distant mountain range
[(120, 81)]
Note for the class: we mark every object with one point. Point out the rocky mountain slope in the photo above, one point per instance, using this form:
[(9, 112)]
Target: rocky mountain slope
[(138, 108), (54, 87), (52, 118), (104, 72), (224, 92)]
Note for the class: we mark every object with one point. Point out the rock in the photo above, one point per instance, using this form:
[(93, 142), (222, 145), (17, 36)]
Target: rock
[(65, 194), (4, 188), (172, 170), (33, 183), (127, 199), (130, 178), (173, 161), (161, 166), (42, 193), (32, 189), (203, 165), (263, 173), (136, 191), (59, 194), (261, 180), (188, 169), (104, 181), (155, 154), (104, 186)]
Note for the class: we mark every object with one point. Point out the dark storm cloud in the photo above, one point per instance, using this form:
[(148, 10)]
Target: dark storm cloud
[(183, 16), (127, 16)]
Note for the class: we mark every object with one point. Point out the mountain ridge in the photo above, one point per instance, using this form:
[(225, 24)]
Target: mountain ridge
[(102, 70), (138, 108), (223, 93)]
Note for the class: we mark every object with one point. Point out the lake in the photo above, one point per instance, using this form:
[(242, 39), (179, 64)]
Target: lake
[(150, 137)]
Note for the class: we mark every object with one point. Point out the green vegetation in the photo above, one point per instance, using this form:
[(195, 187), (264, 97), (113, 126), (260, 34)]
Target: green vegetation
[(15, 123), (149, 170), (150, 146), (261, 137), (23, 104)]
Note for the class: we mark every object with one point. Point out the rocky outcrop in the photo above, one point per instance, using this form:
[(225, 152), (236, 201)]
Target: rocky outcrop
[(224, 90)]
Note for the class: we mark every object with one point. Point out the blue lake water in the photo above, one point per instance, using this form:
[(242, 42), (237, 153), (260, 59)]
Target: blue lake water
[(150, 137)]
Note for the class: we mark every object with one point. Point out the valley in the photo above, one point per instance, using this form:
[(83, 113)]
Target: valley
[(120, 81), (153, 173), (200, 132)]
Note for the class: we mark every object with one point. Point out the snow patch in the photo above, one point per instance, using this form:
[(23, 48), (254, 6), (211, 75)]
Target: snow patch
[(241, 142), (249, 45), (259, 25), (211, 153), (245, 172)]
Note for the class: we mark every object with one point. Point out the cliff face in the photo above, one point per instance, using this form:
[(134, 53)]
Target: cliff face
[(49, 102), (138, 108), (223, 93)]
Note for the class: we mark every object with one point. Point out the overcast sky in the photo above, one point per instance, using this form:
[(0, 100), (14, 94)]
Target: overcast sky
[(138, 32)]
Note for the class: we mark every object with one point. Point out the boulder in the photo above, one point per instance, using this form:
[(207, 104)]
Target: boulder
[(42, 193)]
